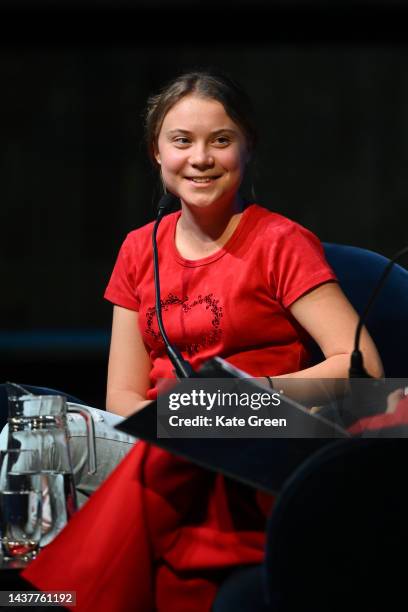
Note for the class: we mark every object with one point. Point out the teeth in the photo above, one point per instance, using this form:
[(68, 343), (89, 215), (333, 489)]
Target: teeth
[(201, 180)]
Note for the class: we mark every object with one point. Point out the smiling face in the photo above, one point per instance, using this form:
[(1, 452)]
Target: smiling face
[(202, 153)]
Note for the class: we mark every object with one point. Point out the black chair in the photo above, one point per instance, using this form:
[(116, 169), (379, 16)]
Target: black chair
[(339, 527), (335, 537)]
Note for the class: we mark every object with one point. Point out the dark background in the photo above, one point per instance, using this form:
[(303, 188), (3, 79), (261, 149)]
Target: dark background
[(329, 84)]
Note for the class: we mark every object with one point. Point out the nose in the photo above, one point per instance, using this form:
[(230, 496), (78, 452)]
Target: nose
[(200, 157)]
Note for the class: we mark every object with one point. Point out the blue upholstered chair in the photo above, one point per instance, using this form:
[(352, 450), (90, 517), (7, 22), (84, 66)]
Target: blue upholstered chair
[(358, 271), (341, 517)]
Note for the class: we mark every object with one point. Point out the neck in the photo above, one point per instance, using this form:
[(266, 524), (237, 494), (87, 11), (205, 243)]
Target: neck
[(210, 224)]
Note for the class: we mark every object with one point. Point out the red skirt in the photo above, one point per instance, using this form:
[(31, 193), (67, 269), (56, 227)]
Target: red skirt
[(159, 534)]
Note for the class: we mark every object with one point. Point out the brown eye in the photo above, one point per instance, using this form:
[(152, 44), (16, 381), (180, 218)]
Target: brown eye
[(181, 140), (222, 140)]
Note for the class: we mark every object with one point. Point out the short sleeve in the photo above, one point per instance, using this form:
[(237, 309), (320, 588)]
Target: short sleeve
[(122, 286), (299, 264)]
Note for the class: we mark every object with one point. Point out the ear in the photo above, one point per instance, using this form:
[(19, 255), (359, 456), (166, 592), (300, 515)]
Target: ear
[(156, 155)]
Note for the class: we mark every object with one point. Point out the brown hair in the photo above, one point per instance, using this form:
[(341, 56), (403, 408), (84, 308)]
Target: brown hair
[(212, 85)]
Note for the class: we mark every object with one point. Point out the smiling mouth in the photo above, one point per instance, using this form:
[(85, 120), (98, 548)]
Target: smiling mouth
[(202, 179)]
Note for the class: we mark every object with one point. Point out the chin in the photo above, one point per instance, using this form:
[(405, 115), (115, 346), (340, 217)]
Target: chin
[(199, 203), (206, 201)]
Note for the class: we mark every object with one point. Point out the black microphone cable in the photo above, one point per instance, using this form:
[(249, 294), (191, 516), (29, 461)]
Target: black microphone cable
[(181, 367)]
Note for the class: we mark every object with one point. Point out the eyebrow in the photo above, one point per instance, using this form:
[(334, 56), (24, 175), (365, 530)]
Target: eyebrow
[(220, 131)]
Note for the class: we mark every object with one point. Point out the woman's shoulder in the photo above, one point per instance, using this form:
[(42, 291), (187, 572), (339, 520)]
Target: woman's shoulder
[(269, 221)]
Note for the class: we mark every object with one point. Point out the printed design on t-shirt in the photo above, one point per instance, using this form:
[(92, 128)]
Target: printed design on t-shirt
[(208, 338)]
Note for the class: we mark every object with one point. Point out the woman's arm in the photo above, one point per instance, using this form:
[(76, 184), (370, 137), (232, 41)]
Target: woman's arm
[(129, 365), (327, 315)]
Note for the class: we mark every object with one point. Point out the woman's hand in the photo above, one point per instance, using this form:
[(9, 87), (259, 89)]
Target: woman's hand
[(393, 400), (311, 392)]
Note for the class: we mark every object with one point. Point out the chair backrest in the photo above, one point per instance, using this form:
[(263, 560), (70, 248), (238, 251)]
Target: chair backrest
[(338, 525), (358, 271)]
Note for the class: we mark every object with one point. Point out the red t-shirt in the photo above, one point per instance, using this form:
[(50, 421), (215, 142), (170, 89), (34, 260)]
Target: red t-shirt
[(233, 304)]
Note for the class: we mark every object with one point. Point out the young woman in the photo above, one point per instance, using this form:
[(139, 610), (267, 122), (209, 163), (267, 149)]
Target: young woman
[(237, 281)]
